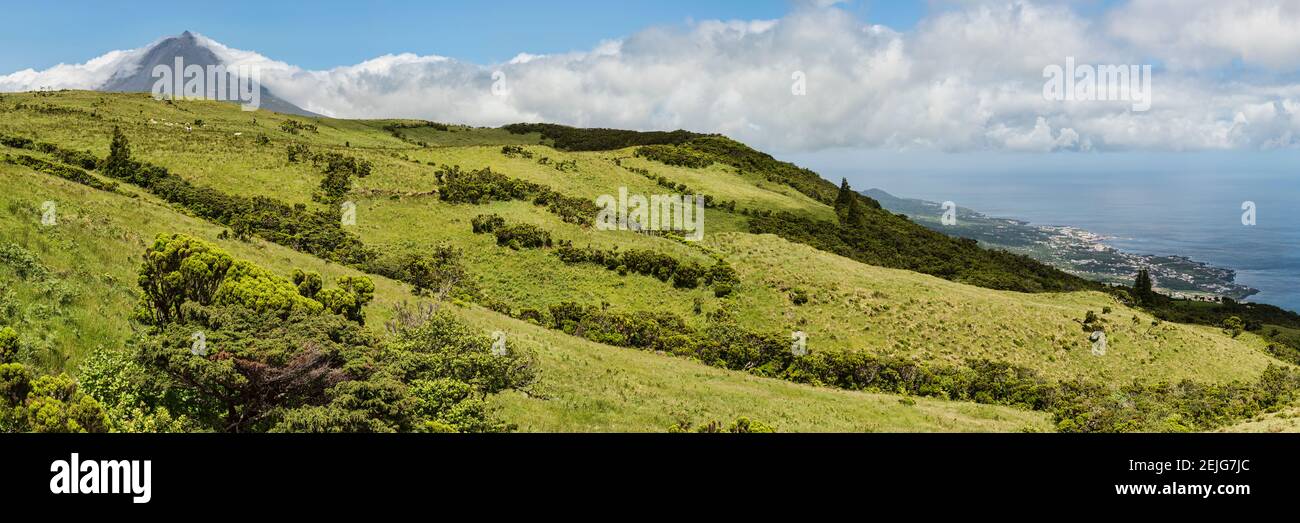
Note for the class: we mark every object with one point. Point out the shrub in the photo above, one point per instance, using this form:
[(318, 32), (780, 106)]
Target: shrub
[(486, 223), (523, 236), (8, 345)]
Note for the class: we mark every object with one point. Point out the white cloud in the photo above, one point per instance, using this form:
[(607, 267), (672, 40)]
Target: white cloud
[(1211, 33), (968, 77), (75, 76)]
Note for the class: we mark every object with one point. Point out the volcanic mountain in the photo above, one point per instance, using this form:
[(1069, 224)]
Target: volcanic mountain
[(192, 51)]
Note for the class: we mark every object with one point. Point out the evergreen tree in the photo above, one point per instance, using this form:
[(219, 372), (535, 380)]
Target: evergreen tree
[(849, 207), (118, 164), (844, 199), (1142, 288)]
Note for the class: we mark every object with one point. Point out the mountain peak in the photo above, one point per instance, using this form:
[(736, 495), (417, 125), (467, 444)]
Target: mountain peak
[(187, 48)]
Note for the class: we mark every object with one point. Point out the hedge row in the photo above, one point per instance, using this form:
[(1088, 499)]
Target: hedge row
[(68, 173), (483, 185), (684, 275)]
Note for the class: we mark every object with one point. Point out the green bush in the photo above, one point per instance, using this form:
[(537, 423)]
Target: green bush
[(523, 236)]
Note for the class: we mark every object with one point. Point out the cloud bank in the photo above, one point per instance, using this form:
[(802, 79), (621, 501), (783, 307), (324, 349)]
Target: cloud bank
[(968, 77)]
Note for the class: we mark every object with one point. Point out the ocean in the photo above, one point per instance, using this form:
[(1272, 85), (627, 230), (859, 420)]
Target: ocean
[(1188, 205)]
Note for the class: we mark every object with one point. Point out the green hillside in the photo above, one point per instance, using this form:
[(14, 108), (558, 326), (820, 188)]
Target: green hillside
[(629, 331)]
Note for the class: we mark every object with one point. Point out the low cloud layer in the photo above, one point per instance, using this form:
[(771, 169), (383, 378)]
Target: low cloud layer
[(968, 77)]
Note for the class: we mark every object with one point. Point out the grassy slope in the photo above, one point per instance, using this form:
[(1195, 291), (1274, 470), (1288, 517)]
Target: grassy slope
[(584, 387), (853, 306)]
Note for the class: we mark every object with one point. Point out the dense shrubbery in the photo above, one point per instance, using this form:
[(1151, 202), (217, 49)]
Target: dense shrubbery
[(516, 151), (180, 270), (515, 236), (395, 129), (674, 155), (71, 174), (685, 275), (79, 159), (575, 139), (483, 186), (30, 403), (486, 223), (272, 359)]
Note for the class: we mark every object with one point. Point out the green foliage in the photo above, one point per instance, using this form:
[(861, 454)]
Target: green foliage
[(8, 345), (516, 151), (176, 269), (850, 208), (574, 139), (1142, 288), (674, 155), (134, 398), (441, 272), (522, 236), (46, 403), (452, 370), (25, 264), (251, 287), (119, 164), (338, 169), (295, 126), (1234, 326), (272, 359), (309, 283), (685, 275), (349, 298), (68, 173), (484, 186), (515, 236), (486, 223), (663, 181), (1077, 405)]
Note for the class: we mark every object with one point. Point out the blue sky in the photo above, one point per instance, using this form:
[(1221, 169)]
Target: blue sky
[(328, 33)]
